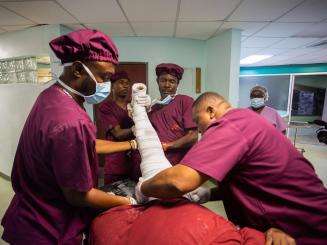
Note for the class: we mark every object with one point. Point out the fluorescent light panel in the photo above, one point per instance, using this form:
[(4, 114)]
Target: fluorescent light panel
[(254, 59)]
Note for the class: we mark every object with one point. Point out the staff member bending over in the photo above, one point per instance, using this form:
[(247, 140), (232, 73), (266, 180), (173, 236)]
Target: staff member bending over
[(264, 182)]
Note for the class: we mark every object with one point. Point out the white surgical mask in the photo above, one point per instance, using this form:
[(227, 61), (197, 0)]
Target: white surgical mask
[(102, 90), (165, 101), (257, 102)]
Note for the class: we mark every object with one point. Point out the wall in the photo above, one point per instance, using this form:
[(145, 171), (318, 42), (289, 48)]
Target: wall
[(184, 52), (222, 60), (16, 100)]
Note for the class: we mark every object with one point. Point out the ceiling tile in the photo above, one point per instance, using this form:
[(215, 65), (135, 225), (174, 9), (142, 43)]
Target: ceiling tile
[(282, 29), (154, 28), (265, 10), (42, 12), (113, 29), (318, 30), (74, 27), (260, 42), (300, 52), (245, 52), (15, 28), (248, 28), (150, 10), (294, 42), (243, 38), (309, 11), (102, 10), (9, 18), (272, 51), (197, 30), (206, 10)]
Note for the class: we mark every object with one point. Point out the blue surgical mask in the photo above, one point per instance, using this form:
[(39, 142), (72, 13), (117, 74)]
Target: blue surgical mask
[(165, 101), (257, 102), (102, 90)]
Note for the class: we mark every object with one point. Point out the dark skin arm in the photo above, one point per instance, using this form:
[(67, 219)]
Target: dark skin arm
[(122, 134), (189, 139), (173, 182), (107, 147), (94, 198)]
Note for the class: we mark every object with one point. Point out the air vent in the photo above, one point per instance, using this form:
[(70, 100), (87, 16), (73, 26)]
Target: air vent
[(317, 44)]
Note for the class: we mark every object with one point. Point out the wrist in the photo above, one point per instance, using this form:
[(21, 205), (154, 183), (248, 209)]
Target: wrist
[(170, 146)]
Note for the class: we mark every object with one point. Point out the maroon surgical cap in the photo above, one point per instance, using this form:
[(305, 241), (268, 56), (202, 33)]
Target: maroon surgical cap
[(119, 75), (85, 45), (169, 68)]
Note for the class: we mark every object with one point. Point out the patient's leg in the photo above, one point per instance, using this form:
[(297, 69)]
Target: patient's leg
[(153, 156)]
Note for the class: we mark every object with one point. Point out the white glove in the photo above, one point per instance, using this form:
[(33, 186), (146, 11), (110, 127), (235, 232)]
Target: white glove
[(129, 110), (132, 200), (138, 193), (142, 100), (199, 195)]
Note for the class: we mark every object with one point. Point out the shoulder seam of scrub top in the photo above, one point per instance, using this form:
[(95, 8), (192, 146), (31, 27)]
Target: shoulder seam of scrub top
[(231, 124)]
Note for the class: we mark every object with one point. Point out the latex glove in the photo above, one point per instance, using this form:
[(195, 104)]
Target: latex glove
[(129, 110), (199, 195), (143, 100), (138, 193), (132, 200)]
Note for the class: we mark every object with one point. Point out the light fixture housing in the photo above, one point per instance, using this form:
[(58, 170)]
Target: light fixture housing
[(254, 59)]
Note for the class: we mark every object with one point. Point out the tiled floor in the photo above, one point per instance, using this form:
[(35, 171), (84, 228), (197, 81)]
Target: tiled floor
[(315, 152)]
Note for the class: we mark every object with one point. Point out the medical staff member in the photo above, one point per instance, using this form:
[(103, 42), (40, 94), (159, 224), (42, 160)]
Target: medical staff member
[(171, 116), (117, 124), (264, 182), (54, 174), (259, 97)]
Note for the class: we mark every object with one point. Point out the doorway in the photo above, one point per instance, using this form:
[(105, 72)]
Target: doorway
[(138, 73)]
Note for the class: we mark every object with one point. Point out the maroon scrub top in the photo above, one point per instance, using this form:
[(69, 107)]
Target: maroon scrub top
[(118, 165), (172, 122), (56, 150), (264, 181)]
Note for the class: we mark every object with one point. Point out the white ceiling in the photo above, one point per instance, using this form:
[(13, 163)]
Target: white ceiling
[(282, 28)]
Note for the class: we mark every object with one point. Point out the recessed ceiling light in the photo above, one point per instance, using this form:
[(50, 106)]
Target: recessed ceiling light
[(254, 59)]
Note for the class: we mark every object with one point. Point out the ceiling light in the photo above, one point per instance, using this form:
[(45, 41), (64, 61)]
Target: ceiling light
[(254, 59)]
